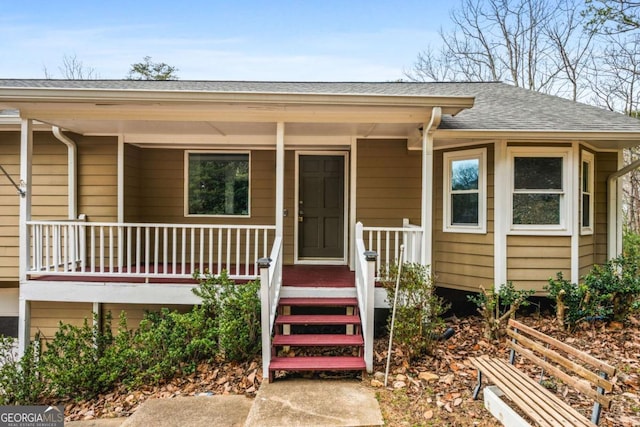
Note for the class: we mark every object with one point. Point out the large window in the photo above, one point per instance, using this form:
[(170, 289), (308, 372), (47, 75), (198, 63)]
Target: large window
[(465, 191), (539, 189), (587, 181), (217, 184)]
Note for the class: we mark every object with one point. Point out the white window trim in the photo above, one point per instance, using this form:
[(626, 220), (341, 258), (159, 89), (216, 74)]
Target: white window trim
[(587, 157), (566, 195), (448, 158), (186, 184)]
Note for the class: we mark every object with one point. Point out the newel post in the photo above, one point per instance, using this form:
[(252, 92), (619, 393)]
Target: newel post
[(265, 312), (371, 257)]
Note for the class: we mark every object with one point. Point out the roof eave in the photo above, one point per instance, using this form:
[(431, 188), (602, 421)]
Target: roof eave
[(528, 134)]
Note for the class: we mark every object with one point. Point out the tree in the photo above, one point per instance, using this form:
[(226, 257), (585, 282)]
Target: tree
[(73, 69), (613, 16), (148, 70)]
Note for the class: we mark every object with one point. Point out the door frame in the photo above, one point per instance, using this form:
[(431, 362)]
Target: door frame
[(344, 260)]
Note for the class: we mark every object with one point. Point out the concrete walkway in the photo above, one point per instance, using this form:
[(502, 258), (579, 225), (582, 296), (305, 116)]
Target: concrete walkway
[(282, 403)]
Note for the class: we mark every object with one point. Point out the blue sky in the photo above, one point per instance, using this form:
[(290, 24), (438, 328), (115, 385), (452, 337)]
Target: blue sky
[(350, 40)]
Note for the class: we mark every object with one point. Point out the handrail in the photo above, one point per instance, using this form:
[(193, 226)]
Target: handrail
[(365, 291), (146, 249), (270, 284)]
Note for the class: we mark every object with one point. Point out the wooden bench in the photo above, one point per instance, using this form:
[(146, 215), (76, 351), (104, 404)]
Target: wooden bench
[(556, 359)]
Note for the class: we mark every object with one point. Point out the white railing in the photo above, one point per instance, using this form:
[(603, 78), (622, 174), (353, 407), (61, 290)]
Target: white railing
[(386, 241), (270, 285), (146, 250), (365, 290)]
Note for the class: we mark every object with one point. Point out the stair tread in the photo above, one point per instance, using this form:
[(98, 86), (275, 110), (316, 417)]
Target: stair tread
[(318, 319), (319, 302), (317, 363), (318, 339)]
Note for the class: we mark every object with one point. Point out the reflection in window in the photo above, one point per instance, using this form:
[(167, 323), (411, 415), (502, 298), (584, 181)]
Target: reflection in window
[(218, 184), (464, 190)]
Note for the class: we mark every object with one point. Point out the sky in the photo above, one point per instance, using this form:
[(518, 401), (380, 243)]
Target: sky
[(327, 40)]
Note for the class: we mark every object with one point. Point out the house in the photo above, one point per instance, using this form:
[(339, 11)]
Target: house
[(128, 187)]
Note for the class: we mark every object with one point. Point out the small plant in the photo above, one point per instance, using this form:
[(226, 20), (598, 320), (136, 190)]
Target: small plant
[(574, 302), (236, 312), (418, 311), (497, 307), (20, 379)]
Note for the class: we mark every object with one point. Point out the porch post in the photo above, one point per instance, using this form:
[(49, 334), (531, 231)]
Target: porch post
[(265, 315), (280, 179), (371, 257), (427, 185), (26, 160)]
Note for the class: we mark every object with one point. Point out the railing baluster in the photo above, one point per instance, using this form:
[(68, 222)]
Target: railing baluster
[(238, 244), (200, 267), (192, 255), (219, 269), (156, 248), (174, 250), (146, 250), (184, 250), (101, 228), (92, 249), (47, 248), (256, 245), (120, 248), (110, 249), (211, 250), (165, 249), (228, 266)]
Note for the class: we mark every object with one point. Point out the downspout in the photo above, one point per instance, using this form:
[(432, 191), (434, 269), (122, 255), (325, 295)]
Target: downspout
[(614, 238), (72, 154), (427, 185)]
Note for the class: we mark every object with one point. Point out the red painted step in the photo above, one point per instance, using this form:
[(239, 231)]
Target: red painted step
[(317, 363), (305, 340), (319, 302), (318, 319)]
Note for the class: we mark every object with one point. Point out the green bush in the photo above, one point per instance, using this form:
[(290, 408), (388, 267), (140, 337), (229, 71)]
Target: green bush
[(20, 379), (418, 310), (236, 310), (608, 292), (497, 307)]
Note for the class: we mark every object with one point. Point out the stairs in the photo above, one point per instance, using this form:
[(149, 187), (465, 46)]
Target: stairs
[(317, 326)]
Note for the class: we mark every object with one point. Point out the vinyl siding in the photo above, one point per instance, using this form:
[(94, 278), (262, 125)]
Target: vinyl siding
[(606, 164), (462, 260), (98, 178), (132, 155), (532, 260), (46, 316), (135, 312), (388, 183)]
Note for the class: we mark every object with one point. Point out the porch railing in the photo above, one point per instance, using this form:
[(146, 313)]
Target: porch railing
[(386, 241), (365, 290), (270, 285), (146, 250)]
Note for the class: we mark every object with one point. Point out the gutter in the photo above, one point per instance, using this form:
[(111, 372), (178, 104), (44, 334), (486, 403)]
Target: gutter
[(72, 154), (614, 244), (426, 216)]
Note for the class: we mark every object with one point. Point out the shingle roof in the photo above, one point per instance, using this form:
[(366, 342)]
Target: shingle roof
[(498, 106)]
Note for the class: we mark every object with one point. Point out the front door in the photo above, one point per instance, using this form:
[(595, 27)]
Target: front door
[(321, 207)]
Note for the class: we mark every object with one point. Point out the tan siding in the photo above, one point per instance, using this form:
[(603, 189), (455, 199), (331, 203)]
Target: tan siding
[(46, 316), (532, 260), (135, 312), (49, 191), (606, 164), (98, 178), (384, 167), (462, 260)]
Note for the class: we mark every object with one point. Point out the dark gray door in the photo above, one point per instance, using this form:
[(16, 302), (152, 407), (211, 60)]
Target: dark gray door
[(321, 207)]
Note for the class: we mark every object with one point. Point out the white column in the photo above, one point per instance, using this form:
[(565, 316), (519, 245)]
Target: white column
[(24, 325), (575, 191), (427, 185), (353, 178), (26, 160), (120, 179), (500, 194), (280, 179)]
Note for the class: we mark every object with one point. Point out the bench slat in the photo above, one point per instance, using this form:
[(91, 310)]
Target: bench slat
[(561, 360), (538, 403), (587, 358), (568, 379)]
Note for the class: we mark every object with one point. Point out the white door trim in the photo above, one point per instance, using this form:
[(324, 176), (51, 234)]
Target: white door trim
[(345, 227)]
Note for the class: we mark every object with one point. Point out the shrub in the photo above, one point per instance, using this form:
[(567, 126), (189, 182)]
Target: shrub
[(236, 310), (20, 379), (418, 309), (574, 302), (497, 307)]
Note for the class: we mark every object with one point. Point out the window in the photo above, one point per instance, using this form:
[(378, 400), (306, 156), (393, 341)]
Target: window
[(465, 192), (217, 184), (587, 181), (540, 189)]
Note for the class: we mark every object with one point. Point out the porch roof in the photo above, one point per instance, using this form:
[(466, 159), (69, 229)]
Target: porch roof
[(397, 108)]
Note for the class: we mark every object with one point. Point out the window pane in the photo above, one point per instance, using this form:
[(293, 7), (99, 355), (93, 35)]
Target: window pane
[(464, 209), (536, 209), (586, 210), (585, 177), (538, 173), (464, 174), (218, 184)]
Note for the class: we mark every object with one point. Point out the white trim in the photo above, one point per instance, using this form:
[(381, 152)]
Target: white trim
[(345, 233), (564, 228), (574, 211), (426, 205), (24, 323), (500, 218), (120, 178), (280, 159), (186, 184), (619, 220), (587, 157), (448, 157), (353, 178), (500, 409), (26, 199)]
